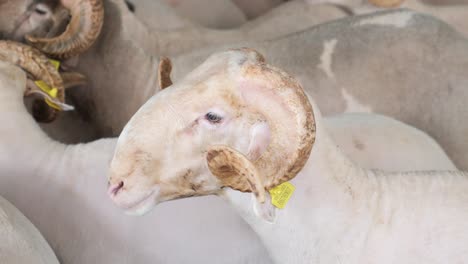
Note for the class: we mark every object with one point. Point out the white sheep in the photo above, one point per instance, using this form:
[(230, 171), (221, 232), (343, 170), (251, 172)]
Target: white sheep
[(236, 124), (21, 242), (60, 188)]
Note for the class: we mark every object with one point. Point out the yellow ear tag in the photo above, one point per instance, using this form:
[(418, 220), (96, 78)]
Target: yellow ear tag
[(56, 63), (281, 194), (52, 92)]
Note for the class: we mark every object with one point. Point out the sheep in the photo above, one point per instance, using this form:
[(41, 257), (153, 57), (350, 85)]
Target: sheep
[(209, 134), (21, 242), (40, 23), (65, 199)]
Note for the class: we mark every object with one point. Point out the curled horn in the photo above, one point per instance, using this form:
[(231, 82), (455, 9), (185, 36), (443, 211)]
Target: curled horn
[(224, 162), (87, 18), (292, 133), (40, 68)]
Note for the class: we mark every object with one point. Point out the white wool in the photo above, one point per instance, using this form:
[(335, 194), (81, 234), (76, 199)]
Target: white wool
[(399, 20), (326, 57)]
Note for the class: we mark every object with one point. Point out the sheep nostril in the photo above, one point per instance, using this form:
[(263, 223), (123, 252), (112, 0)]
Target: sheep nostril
[(114, 189)]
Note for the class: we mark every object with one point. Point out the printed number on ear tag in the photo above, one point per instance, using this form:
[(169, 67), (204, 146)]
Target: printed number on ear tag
[(281, 194)]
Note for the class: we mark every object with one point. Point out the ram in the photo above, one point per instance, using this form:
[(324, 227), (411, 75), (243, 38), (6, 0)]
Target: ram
[(237, 124), (61, 189)]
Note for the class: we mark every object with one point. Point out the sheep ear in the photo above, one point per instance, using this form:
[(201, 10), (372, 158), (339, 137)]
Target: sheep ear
[(266, 211), (235, 170), (164, 73)]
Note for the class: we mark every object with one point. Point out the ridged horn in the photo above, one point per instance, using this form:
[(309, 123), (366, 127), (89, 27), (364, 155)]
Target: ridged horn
[(87, 18), (39, 67), (290, 117)]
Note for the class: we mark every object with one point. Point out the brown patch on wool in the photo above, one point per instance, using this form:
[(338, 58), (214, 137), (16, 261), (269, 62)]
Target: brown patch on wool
[(164, 73)]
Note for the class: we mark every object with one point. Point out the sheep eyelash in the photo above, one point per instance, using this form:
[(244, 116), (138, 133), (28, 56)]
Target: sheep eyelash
[(40, 11), (40, 8), (213, 118)]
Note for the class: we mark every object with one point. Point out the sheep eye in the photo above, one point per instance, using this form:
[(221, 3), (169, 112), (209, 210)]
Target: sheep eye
[(40, 11), (213, 118)]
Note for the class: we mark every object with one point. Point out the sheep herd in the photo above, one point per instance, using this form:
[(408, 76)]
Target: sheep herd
[(333, 130)]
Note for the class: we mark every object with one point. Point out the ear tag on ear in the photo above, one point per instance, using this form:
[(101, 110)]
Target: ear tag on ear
[(281, 194), (51, 93), (56, 63)]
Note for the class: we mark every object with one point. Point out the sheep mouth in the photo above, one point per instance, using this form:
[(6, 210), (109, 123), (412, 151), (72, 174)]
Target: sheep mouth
[(144, 201)]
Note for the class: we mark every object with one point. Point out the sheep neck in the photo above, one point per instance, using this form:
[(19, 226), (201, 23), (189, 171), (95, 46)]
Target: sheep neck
[(332, 186), (40, 154)]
